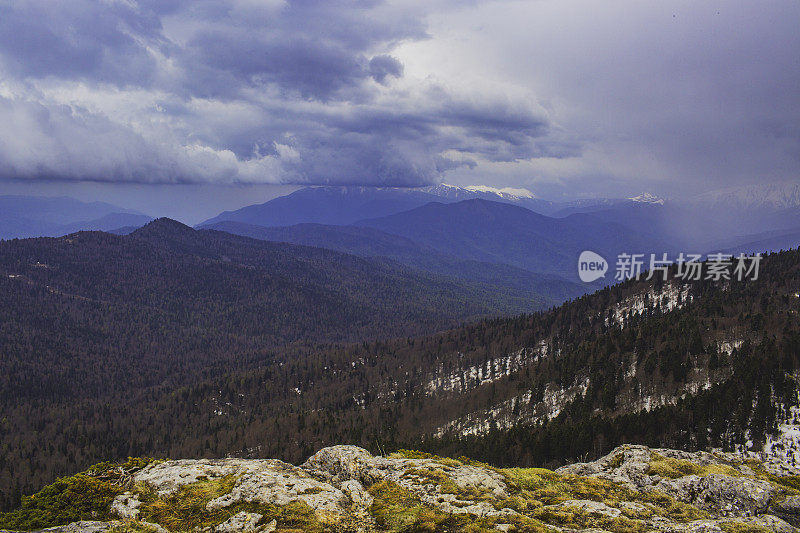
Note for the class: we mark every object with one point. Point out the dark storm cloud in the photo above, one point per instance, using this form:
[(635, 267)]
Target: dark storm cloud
[(97, 41), (235, 90), (296, 64), (679, 95), (384, 65)]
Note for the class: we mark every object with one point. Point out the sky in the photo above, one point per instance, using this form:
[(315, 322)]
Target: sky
[(186, 108)]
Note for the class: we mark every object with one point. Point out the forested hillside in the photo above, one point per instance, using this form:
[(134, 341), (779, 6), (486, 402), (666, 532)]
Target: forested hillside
[(663, 363), (92, 310), (106, 318)]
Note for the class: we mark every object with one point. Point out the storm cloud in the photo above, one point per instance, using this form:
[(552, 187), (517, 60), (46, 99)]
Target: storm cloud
[(236, 91), (546, 95)]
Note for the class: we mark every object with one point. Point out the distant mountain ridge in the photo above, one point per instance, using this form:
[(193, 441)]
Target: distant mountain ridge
[(370, 242), (481, 230), (346, 205), (504, 233), (32, 216)]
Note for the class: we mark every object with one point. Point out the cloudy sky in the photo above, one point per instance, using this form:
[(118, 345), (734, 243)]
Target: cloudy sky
[(189, 107)]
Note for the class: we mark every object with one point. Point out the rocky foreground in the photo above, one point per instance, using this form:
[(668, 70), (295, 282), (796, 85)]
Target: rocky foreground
[(345, 488)]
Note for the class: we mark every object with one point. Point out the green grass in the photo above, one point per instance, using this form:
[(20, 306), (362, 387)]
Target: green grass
[(116, 469), (84, 496)]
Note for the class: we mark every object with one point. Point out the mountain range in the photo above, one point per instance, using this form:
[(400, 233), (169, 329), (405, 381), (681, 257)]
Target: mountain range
[(346, 205), (495, 239), (29, 216)]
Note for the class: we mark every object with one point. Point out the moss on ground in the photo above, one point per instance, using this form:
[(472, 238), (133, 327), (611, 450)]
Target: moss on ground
[(69, 499), (617, 460), (396, 509), (88, 496), (537, 487), (675, 468), (739, 527), (537, 494), (185, 509), (84, 496), (133, 526), (413, 454), (116, 470), (576, 518)]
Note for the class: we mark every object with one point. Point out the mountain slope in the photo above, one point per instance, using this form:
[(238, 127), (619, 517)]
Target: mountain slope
[(762, 196), (326, 205), (107, 222), (690, 365), (493, 232), (217, 299), (543, 290), (647, 362), (345, 205)]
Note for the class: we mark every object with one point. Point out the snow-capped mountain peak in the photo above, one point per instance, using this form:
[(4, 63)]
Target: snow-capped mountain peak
[(455, 192), (505, 192), (647, 198)]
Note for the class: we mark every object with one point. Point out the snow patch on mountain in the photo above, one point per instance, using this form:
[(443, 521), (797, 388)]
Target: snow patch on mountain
[(456, 193), (505, 192), (670, 297), (728, 346), (785, 446), (647, 198), (462, 380), (523, 408)]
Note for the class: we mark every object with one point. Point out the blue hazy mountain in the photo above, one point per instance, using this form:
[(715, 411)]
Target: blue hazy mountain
[(32, 216), (494, 232), (371, 242), (326, 205), (345, 205)]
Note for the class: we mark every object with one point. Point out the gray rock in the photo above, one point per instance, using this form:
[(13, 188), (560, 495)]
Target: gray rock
[(84, 526), (590, 507), (243, 521), (357, 493), (126, 506), (336, 464), (770, 522), (788, 509), (339, 464), (168, 476), (735, 495), (626, 464), (283, 486), (334, 483), (721, 495)]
